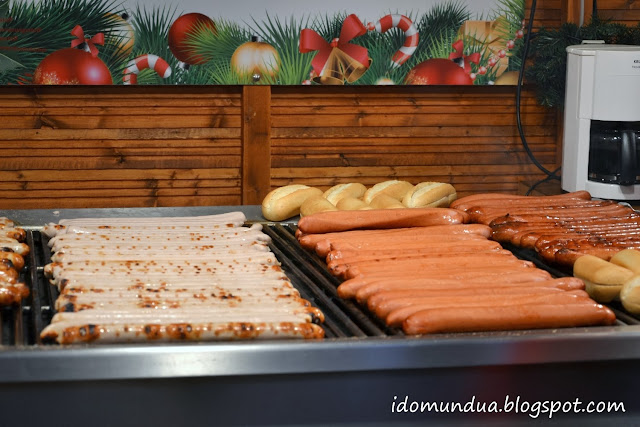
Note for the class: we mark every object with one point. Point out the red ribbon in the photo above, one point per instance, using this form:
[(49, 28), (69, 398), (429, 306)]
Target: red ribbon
[(79, 33), (468, 59), (351, 27)]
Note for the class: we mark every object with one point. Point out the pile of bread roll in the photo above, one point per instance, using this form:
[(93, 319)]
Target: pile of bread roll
[(611, 280), (292, 200)]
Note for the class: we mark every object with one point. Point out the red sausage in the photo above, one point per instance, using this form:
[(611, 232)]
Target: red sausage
[(397, 316), (326, 222), (469, 319)]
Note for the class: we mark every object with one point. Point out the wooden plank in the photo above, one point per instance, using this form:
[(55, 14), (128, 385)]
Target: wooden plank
[(403, 131), (144, 110), (29, 144), (344, 173), (119, 174), (117, 122), (127, 162), (407, 149), (118, 202), (24, 185), (116, 134), (410, 120), (401, 110), (407, 159), (120, 152), (256, 143), (328, 143), (119, 192)]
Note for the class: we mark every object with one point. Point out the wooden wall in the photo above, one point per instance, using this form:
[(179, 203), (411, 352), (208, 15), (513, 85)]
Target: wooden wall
[(177, 146), (78, 147), (623, 11)]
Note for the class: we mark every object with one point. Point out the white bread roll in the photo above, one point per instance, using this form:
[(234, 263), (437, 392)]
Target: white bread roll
[(430, 194), (630, 295), (629, 259), (284, 202), (384, 201), (603, 280), (340, 191), (394, 188), (352, 204), (316, 204)]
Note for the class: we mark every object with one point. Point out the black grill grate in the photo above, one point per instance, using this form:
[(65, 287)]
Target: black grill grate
[(21, 325)]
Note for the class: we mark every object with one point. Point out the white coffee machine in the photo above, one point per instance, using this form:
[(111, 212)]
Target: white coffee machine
[(601, 146)]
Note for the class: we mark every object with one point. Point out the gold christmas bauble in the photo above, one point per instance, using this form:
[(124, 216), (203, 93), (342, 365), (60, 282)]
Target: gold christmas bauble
[(385, 81), (123, 33), (508, 78), (256, 59)]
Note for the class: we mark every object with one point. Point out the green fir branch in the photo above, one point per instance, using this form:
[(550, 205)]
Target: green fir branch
[(549, 53), (53, 21), (284, 36), (217, 45)]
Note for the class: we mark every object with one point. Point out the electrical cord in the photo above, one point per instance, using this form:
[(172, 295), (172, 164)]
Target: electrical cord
[(542, 181), (551, 175)]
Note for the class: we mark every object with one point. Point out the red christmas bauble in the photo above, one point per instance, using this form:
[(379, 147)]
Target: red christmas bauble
[(72, 66), (437, 71), (179, 31)]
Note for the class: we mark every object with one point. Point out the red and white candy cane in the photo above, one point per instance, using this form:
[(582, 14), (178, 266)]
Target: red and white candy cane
[(142, 62), (410, 32)]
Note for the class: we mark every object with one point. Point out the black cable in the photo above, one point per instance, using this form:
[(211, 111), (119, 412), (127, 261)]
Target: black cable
[(594, 12), (548, 178), (525, 53)]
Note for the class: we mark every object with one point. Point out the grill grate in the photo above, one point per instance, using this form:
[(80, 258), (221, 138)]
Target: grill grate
[(21, 325)]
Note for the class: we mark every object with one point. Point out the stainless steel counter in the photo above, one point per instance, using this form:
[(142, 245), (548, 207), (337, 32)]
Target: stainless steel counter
[(329, 382)]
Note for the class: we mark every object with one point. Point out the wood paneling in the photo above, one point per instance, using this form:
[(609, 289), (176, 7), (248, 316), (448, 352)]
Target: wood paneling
[(71, 147), (256, 143), (466, 136), (75, 147), (168, 146), (623, 11)]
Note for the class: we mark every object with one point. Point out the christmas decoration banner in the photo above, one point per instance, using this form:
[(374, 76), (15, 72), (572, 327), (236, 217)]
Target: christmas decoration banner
[(280, 42)]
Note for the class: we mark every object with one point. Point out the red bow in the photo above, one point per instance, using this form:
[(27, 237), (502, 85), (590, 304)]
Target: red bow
[(468, 59), (79, 33), (351, 27)]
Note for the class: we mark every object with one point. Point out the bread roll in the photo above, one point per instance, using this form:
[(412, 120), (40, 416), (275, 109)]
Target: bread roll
[(628, 258), (384, 201), (603, 280), (630, 295), (316, 204), (393, 188), (284, 202), (352, 204), (430, 194), (340, 191)]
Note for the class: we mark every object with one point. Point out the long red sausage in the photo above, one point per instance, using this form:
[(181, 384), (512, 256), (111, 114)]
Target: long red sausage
[(435, 264), (489, 197), (408, 242), (327, 222), (310, 240), (387, 300), (516, 278), (474, 319), (469, 277), (399, 315)]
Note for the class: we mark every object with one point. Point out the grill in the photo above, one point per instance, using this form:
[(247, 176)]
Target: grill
[(352, 375), (344, 319)]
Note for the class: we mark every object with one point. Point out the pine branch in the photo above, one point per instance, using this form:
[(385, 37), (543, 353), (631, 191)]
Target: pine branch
[(548, 48), (54, 21), (284, 36)]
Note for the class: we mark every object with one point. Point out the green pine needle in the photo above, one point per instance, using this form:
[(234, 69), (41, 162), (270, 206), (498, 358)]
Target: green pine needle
[(549, 51), (54, 20), (284, 37)]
